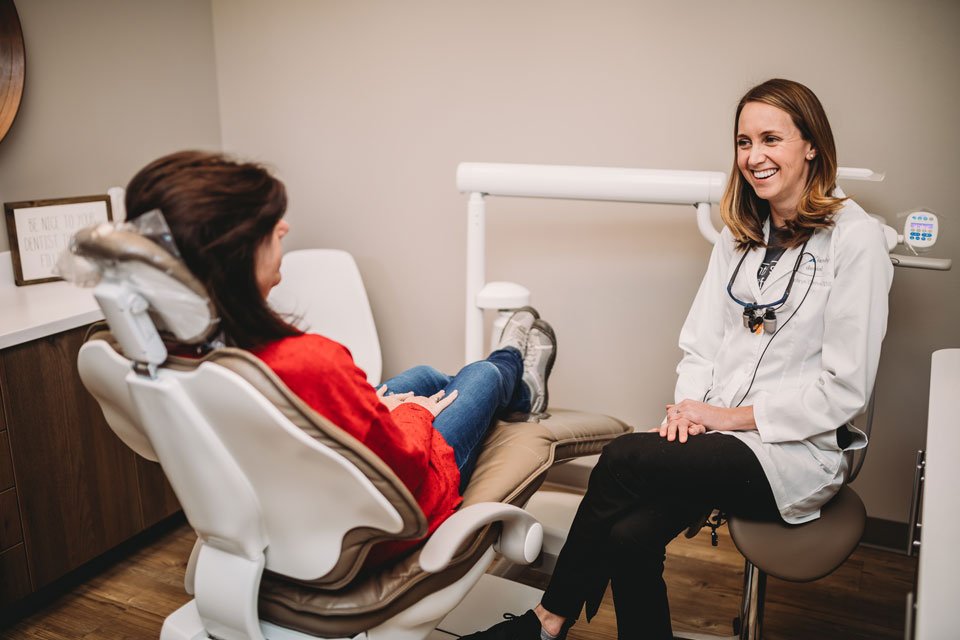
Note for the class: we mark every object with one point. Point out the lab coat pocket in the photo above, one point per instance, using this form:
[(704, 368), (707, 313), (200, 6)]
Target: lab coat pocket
[(845, 438), (829, 459)]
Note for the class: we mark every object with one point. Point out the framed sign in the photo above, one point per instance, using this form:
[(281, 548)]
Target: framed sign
[(39, 230)]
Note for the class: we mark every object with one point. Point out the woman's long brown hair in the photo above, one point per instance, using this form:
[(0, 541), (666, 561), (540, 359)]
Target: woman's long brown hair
[(219, 211)]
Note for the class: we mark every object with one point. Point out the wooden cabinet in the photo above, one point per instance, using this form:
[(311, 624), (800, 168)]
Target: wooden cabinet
[(14, 577), (6, 461), (75, 490)]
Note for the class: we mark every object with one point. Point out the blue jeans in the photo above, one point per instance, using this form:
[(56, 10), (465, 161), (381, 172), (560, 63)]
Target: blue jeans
[(487, 388)]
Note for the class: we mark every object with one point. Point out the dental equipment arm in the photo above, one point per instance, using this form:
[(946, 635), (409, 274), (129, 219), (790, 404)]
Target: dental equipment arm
[(480, 179), (699, 189)]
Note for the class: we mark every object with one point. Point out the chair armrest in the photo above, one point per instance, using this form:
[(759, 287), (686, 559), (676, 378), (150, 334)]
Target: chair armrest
[(519, 541)]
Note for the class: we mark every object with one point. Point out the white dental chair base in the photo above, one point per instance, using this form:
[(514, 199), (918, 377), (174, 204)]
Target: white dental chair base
[(484, 605), (414, 623)]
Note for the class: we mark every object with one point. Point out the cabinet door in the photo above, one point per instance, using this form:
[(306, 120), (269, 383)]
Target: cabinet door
[(16, 580), (76, 481)]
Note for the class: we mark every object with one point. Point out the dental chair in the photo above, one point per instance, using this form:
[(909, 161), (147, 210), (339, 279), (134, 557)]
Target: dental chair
[(286, 505)]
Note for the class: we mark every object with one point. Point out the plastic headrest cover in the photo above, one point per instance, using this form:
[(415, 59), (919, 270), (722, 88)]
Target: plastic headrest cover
[(179, 304)]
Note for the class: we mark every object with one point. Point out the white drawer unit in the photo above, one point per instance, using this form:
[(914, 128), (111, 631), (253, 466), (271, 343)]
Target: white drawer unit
[(937, 615)]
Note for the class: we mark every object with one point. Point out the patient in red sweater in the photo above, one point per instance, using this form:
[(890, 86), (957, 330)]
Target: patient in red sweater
[(226, 219)]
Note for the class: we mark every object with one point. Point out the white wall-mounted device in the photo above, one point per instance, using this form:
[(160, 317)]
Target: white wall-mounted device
[(920, 229)]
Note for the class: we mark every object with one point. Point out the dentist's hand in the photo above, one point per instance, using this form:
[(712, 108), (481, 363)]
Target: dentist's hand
[(711, 417), (679, 428), (394, 400), (435, 403)]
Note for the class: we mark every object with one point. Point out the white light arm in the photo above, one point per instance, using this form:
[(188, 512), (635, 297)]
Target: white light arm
[(705, 224), (855, 173), (479, 179), (655, 186), (520, 540)]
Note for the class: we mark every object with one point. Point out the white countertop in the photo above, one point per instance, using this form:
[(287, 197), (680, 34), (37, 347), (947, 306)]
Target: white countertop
[(38, 310)]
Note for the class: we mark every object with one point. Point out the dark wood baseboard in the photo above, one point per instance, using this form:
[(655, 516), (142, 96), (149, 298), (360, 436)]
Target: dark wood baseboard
[(886, 534)]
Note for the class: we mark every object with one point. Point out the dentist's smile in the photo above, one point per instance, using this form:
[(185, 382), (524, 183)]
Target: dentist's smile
[(764, 174)]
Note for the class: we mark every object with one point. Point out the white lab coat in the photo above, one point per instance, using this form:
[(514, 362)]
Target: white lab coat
[(819, 371)]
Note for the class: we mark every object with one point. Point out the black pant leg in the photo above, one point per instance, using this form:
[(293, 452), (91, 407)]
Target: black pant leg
[(642, 493), (636, 577)]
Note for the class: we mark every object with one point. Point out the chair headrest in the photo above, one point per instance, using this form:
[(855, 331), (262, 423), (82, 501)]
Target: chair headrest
[(179, 305)]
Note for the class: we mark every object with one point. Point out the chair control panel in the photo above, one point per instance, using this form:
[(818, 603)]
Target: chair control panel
[(920, 229)]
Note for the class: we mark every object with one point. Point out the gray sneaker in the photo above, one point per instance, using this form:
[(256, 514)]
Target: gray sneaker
[(538, 363), (516, 329)]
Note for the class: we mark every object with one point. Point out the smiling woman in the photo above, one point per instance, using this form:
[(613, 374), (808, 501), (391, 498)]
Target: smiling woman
[(12, 65), (754, 431), (785, 165)]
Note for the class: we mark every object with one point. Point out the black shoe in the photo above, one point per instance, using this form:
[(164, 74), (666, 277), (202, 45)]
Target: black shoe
[(525, 627)]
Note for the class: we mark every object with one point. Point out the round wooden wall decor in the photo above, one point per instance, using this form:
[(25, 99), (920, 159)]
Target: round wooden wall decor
[(11, 65)]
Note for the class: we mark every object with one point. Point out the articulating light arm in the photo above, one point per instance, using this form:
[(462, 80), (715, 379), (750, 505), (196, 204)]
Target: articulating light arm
[(699, 189)]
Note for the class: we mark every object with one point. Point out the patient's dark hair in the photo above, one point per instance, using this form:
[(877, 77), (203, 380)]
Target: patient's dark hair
[(219, 211)]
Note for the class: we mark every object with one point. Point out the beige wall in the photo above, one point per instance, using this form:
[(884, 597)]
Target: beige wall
[(111, 84), (365, 108)]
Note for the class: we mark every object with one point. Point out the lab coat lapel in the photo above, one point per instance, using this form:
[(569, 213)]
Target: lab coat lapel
[(783, 269)]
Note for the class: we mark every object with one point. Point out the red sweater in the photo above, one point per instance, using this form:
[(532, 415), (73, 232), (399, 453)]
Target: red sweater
[(323, 374)]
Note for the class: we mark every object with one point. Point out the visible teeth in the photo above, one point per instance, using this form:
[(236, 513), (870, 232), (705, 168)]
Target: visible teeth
[(766, 173)]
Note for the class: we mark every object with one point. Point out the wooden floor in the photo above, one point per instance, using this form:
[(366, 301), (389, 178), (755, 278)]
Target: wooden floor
[(864, 599)]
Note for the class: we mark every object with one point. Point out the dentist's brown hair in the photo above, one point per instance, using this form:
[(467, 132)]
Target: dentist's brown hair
[(744, 212)]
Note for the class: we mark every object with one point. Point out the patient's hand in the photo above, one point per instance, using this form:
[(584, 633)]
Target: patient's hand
[(435, 403), (394, 400)]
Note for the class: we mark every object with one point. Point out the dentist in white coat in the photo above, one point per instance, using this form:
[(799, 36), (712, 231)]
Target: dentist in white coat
[(780, 351)]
